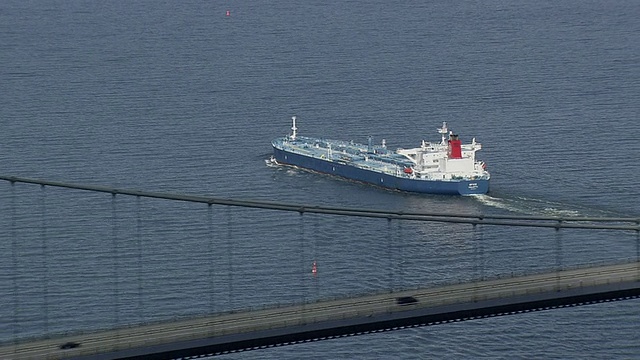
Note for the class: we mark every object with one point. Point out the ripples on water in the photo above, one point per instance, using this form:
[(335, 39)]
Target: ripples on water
[(181, 98)]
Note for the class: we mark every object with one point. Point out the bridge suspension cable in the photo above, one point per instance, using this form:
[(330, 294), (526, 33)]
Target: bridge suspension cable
[(592, 223)]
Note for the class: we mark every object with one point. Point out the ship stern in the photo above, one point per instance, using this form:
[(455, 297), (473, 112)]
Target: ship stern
[(473, 187)]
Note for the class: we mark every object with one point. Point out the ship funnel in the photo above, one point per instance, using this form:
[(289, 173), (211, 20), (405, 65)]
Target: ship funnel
[(455, 147), (293, 128)]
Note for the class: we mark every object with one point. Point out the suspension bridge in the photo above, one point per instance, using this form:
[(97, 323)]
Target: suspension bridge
[(87, 278)]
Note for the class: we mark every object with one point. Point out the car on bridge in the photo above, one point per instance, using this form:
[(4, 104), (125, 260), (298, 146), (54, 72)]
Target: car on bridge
[(69, 345), (406, 300)]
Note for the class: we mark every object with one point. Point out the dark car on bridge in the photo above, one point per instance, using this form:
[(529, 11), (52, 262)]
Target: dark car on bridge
[(406, 300), (69, 345)]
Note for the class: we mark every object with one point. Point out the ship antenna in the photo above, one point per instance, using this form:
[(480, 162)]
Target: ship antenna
[(444, 131), (293, 128)]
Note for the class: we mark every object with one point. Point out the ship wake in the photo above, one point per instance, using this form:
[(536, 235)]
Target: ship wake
[(531, 206)]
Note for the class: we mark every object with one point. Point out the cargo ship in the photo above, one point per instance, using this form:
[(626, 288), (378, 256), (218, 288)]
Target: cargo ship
[(444, 167)]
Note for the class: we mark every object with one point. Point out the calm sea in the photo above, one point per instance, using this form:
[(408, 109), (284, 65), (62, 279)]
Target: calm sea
[(186, 96)]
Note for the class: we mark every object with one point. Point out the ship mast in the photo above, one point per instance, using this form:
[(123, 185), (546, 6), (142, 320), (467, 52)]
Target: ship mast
[(293, 128), (444, 131)]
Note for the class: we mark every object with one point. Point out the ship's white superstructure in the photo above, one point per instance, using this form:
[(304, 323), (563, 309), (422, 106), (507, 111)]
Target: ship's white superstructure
[(448, 159)]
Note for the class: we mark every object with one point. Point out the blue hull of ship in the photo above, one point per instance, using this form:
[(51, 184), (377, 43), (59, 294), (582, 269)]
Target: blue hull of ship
[(454, 187)]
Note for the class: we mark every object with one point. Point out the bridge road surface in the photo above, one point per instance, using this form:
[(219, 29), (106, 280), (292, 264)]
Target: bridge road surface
[(378, 308)]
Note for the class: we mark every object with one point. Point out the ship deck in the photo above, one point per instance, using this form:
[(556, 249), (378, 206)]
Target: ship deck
[(375, 158)]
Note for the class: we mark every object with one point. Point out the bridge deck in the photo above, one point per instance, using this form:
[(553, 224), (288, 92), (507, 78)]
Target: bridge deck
[(381, 308)]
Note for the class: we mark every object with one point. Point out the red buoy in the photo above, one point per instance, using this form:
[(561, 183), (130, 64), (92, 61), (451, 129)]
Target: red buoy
[(314, 268), (228, 13)]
